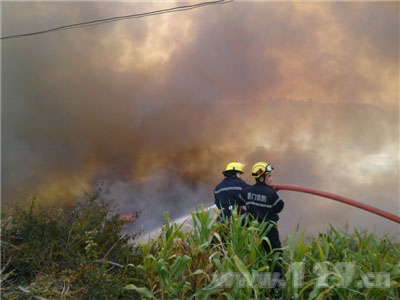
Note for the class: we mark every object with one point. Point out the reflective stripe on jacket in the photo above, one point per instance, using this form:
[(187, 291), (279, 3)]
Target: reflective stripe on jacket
[(227, 193)]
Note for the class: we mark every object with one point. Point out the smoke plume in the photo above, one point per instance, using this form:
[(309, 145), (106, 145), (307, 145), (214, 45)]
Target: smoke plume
[(153, 109)]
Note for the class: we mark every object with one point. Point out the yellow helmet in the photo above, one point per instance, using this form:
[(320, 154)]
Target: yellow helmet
[(234, 166), (260, 169)]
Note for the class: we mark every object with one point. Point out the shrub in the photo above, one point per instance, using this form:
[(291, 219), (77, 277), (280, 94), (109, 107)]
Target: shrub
[(83, 246)]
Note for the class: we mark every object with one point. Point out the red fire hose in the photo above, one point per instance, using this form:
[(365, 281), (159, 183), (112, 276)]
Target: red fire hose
[(345, 200)]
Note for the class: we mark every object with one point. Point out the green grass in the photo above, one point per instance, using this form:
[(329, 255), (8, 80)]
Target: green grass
[(82, 254)]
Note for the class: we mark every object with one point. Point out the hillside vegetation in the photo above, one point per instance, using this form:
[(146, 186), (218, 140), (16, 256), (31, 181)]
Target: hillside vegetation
[(82, 253)]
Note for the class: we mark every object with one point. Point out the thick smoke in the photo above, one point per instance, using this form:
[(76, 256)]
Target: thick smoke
[(152, 109)]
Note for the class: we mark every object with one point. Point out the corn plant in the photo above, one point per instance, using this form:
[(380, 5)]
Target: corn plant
[(226, 260)]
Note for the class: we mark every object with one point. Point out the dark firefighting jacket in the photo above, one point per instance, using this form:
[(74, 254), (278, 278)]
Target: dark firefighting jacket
[(227, 193), (262, 202)]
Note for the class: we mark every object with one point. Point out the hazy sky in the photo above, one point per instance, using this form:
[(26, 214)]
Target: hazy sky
[(154, 108)]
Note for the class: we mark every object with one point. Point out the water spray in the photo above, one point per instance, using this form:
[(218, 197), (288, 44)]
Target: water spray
[(185, 219)]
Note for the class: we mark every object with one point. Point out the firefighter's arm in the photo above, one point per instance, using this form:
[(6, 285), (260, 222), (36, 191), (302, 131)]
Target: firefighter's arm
[(278, 204), (241, 201), (218, 201)]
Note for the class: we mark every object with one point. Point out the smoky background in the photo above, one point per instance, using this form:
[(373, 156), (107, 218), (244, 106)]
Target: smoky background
[(153, 109)]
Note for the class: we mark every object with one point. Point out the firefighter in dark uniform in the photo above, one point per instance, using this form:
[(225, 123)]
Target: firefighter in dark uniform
[(227, 192), (264, 204)]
